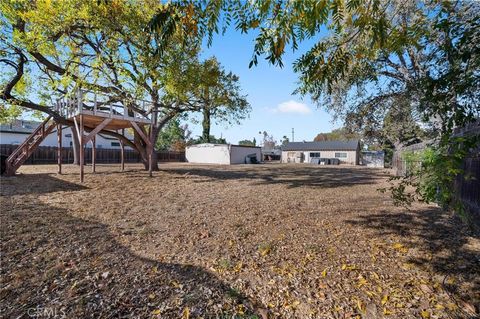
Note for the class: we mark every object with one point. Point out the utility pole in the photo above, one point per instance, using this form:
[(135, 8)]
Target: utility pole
[(293, 134)]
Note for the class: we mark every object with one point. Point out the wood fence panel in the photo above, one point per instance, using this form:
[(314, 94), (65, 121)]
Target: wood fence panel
[(467, 184), (48, 155)]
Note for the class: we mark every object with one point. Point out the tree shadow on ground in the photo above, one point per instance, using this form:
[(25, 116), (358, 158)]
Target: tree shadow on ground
[(52, 261), (290, 175), (41, 183), (445, 244)]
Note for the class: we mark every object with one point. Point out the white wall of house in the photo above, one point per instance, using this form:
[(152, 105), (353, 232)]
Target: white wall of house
[(51, 140), (208, 154), (239, 153), (351, 157), (292, 157)]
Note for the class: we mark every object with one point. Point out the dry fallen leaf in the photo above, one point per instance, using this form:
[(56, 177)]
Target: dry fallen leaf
[(361, 282), (425, 288), (186, 313), (469, 308), (263, 312), (324, 272), (384, 299), (400, 247)]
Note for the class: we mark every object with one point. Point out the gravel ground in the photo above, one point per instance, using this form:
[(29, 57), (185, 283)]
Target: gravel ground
[(263, 241)]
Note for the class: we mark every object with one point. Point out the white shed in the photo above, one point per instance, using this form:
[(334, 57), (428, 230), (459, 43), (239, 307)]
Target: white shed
[(223, 154), (373, 159)]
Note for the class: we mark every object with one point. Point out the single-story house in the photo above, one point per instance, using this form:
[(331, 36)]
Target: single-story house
[(226, 154), (345, 152), (15, 132)]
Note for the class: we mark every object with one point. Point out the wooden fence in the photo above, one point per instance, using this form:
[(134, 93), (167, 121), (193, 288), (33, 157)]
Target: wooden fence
[(467, 184), (399, 164), (48, 155)]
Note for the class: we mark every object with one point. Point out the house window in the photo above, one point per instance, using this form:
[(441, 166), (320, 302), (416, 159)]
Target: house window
[(68, 135), (340, 155), (315, 154), (115, 144)]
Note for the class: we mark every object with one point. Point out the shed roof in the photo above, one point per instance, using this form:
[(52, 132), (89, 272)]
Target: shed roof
[(350, 145), (215, 145)]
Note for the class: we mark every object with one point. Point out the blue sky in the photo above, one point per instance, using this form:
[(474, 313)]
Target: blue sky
[(269, 89)]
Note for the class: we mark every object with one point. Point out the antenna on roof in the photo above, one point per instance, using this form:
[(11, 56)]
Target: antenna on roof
[(293, 134)]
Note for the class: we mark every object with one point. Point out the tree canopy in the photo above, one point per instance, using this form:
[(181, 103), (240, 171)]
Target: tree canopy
[(218, 95), (337, 134), (174, 136), (248, 142), (53, 48), (50, 49), (375, 52)]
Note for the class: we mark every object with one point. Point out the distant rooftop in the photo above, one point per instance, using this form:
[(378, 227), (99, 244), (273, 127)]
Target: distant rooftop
[(27, 127), (351, 145), (19, 126)]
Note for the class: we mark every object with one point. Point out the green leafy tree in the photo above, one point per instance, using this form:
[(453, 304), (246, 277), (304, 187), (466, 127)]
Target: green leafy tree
[(337, 134), (285, 141), (212, 139), (218, 95), (278, 24), (248, 142), (173, 136), (52, 48)]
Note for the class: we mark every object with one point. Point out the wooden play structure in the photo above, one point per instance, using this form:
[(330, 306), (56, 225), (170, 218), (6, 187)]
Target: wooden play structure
[(89, 113)]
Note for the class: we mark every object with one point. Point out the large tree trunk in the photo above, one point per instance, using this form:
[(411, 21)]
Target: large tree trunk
[(206, 125), (142, 147), (143, 150)]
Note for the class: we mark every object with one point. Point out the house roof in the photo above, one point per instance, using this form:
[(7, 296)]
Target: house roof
[(27, 127), (19, 126), (351, 145)]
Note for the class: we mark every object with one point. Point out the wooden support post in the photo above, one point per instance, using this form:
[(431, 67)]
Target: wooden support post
[(150, 152), (79, 101), (122, 152), (82, 149), (96, 130), (150, 159), (59, 148), (94, 150), (95, 103)]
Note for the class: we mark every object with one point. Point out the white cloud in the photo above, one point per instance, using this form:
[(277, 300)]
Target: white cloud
[(292, 107)]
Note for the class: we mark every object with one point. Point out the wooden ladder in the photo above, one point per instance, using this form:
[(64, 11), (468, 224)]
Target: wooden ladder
[(23, 152)]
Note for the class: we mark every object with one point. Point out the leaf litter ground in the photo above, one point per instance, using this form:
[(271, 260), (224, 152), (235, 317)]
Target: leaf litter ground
[(198, 241)]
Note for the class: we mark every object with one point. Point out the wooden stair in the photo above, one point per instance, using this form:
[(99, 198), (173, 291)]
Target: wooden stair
[(23, 152)]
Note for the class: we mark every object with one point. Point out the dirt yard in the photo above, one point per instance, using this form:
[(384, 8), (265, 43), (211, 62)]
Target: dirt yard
[(264, 241)]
